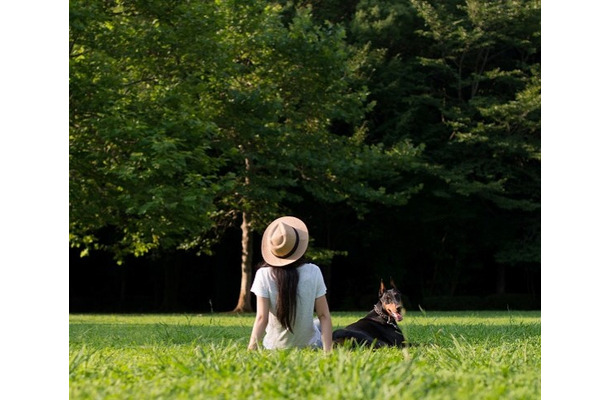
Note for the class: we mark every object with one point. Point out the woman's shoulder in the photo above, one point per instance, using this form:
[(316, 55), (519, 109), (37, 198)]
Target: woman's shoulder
[(263, 272), (309, 267)]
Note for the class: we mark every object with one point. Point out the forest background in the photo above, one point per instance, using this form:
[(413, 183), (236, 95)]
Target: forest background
[(405, 133)]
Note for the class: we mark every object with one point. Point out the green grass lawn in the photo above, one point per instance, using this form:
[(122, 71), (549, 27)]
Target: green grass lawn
[(465, 355)]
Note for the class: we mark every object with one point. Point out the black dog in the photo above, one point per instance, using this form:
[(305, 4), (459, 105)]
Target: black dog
[(378, 328)]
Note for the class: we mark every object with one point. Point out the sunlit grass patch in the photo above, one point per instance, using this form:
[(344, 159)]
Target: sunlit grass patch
[(452, 356)]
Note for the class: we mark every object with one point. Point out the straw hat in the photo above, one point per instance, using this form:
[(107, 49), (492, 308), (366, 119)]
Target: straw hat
[(284, 241)]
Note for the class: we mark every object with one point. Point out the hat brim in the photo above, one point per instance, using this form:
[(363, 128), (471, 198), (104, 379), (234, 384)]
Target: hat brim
[(301, 228)]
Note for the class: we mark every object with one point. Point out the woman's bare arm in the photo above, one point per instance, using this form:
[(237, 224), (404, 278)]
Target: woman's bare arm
[(326, 325), (260, 322)]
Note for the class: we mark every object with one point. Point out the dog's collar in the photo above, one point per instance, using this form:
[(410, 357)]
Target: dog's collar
[(387, 318)]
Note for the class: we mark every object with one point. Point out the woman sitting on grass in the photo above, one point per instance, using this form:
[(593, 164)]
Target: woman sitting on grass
[(287, 290)]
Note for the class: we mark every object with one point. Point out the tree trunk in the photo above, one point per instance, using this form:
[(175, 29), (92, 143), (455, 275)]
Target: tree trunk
[(243, 303)]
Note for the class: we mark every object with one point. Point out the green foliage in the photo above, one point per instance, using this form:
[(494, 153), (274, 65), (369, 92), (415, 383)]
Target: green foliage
[(417, 113), (455, 355), (142, 170), (183, 117), (290, 82), (461, 80)]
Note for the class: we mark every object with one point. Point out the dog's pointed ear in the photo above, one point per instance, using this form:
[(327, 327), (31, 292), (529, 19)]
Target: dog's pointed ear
[(381, 288), (392, 283)]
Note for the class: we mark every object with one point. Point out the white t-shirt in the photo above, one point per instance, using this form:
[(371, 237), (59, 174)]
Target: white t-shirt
[(311, 286)]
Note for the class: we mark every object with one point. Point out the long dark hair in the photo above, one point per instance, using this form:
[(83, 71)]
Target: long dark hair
[(287, 280)]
